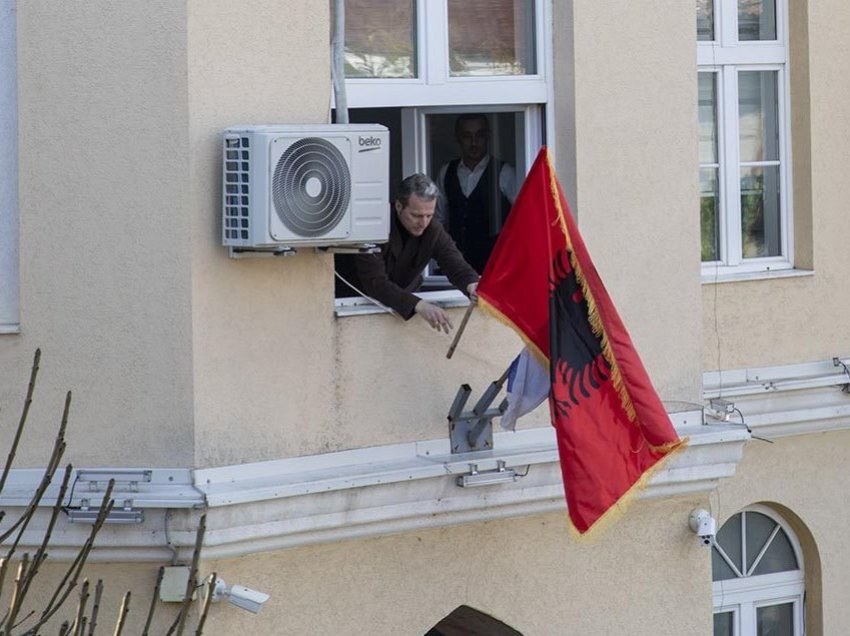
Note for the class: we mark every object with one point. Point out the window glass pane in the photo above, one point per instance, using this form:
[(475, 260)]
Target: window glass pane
[(759, 527), (720, 570), (758, 110), (756, 19), (475, 160), (380, 38), (705, 20), (723, 624), (760, 221), (709, 197), (779, 556), (775, 620), (729, 538), (707, 117), (491, 37)]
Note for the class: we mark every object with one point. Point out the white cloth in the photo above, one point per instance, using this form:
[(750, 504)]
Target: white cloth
[(468, 180), (528, 387)]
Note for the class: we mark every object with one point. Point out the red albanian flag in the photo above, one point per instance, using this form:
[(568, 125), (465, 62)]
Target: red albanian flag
[(611, 427)]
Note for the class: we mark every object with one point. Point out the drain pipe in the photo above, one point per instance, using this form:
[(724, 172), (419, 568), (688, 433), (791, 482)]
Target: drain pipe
[(338, 62)]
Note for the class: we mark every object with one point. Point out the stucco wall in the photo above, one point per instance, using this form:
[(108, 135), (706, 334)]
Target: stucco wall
[(137, 578), (276, 375), (103, 240), (646, 575), (803, 319), (635, 148), (263, 329)]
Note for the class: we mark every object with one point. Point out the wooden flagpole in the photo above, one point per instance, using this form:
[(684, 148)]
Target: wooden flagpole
[(460, 329)]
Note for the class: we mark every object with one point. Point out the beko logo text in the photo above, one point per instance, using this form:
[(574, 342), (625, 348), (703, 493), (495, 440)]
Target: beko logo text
[(369, 143)]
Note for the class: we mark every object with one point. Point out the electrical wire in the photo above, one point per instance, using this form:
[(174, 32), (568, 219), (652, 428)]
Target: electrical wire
[(71, 494), (367, 297), (839, 362), (745, 425)]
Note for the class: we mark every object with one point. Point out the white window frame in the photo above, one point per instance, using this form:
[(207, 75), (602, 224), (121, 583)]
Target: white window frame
[(743, 596), (9, 269), (434, 86), (415, 157), (725, 57), (434, 91)]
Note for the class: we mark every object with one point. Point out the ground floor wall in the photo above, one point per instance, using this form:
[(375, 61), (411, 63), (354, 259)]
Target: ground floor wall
[(646, 574)]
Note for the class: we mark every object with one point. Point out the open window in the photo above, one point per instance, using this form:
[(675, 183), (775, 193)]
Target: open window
[(416, 67), (425, 139)]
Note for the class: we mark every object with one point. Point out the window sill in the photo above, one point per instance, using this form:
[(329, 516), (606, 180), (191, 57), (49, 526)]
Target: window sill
[(708, 279), (447, 299), (10, 329)]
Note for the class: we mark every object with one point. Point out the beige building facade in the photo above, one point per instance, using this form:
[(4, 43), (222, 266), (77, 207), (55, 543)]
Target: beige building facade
[(311, 429)]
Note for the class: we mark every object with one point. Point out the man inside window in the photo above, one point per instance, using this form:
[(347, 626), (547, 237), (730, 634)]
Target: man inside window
[(392, 276), (477, 191)]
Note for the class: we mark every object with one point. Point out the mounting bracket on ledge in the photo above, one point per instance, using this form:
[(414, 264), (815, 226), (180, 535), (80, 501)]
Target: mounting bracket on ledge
[(362, 248), (473, 430), (247, 252), (475, 477)]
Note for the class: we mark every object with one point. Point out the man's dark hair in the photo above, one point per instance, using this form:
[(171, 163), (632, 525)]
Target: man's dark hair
[(470, 117), (419, 184)]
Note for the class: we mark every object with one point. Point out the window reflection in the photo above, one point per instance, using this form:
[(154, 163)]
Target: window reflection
[(724, 624), (709, 196), (775, 620), (758, 115), (491, 37), (756, 19), (380, 38), (705, 20)]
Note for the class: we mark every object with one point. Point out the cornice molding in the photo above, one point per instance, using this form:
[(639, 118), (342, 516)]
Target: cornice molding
[(383, 490)]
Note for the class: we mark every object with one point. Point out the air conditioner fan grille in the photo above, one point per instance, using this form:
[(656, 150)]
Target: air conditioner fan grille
[(311, 187)]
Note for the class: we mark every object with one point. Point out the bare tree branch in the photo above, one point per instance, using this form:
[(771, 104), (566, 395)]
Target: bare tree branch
[(69, 580), (41, 553), (52, 464), (122, 614), (22, 422), (98, 592), (81, 609), (154, 596), (192, 583), (211, 580), (15, 600)]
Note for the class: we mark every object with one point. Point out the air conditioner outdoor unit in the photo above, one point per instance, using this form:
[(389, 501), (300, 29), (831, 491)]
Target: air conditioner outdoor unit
[(293, 186)]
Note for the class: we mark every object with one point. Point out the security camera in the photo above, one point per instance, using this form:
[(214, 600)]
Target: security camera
[(240, 596), (703, 525)]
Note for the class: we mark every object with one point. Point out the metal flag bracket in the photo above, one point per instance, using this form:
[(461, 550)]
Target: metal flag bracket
[(471, 431)]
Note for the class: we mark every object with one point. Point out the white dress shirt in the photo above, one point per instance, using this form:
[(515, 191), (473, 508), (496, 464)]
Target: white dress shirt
[(468, 179)]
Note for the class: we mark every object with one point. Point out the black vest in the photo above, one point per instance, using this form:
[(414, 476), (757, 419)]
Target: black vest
[(475, 221)]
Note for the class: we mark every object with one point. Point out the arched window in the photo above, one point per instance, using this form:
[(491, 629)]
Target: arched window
[(757, 574), (466, 620)]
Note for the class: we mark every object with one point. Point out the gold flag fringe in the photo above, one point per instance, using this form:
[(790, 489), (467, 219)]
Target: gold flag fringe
[(619, 507), (670, 449), (593, 312)]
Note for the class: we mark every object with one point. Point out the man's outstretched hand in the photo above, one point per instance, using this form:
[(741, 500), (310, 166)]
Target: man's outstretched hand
[(472, 290), (434, 316)]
